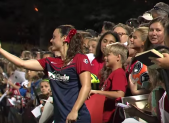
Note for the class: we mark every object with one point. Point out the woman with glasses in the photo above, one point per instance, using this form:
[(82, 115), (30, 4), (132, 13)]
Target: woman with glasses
[(124, 32)]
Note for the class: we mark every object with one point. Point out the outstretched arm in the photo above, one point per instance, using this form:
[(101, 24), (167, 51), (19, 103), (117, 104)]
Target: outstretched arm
[(109, 94), (28, 64)]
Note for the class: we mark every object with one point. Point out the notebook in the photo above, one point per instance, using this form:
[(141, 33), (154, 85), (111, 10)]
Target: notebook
[(144, 58)]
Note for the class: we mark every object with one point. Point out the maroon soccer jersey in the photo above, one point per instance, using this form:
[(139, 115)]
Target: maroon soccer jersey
[(65, 85)]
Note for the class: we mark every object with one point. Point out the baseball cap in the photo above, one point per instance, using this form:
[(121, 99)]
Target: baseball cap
[(146, 16)]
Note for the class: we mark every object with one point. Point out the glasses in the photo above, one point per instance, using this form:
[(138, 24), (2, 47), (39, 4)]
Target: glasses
[(121, 34)]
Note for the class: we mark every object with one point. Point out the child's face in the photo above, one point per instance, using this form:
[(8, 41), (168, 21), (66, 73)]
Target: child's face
[(136, 42), (111, 60), (45, 88), (108, 39), (92, 46)]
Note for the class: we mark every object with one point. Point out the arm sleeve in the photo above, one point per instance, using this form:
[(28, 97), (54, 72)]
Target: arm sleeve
[(83, 64), (43, 63)]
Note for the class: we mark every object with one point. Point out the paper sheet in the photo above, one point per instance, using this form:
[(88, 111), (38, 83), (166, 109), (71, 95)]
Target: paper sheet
[(18, 76), (37, 111), (4, 95)]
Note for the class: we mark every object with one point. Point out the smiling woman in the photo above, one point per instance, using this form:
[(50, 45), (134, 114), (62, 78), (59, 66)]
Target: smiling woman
[(156, 33), (67, 67)]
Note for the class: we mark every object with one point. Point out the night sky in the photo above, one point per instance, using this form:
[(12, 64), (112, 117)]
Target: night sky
[(33, 20)]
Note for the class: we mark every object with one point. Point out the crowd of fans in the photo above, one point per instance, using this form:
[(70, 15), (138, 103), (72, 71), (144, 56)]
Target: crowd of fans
[(108, 57)]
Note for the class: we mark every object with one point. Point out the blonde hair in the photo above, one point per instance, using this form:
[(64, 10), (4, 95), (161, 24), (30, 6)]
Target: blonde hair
[(93, 39), (117, 49), (144, 32)]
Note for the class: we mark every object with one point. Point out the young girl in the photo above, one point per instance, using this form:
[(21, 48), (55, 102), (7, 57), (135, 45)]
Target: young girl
[(116, 83), (66, 73), (107, 38), (92, 48), (45, 90), (92, 45), (137, 41)]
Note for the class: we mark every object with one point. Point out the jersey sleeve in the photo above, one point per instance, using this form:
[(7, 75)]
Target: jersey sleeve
[(119, 82), (43, 63), (83, 64)]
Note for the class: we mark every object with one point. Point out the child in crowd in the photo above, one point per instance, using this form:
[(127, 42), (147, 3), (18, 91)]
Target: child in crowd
[(92, 44), (47, 109), (137, 41), (45, 88), (116, 83)]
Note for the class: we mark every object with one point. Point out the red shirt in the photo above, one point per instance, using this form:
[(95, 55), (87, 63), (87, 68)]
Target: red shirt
[(96, 66), (116, 81), (129, 70)]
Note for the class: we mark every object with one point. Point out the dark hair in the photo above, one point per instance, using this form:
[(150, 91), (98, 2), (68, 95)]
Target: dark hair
[(99, 53), (92, 32), (132, 22), (163, 21), (108, 25), (104, 74), (39, 75), (75, 47), (167, 29), (144, 25), (65, 29)]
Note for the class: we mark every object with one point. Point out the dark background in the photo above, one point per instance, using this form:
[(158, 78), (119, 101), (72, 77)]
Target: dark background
[(20, 23)]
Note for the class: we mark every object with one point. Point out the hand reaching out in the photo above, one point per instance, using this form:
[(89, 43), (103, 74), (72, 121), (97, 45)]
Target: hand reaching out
[(162, 62)]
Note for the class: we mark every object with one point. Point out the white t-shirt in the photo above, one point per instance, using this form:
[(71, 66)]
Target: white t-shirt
[(163, 113), (130, 120), (90, 57)]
